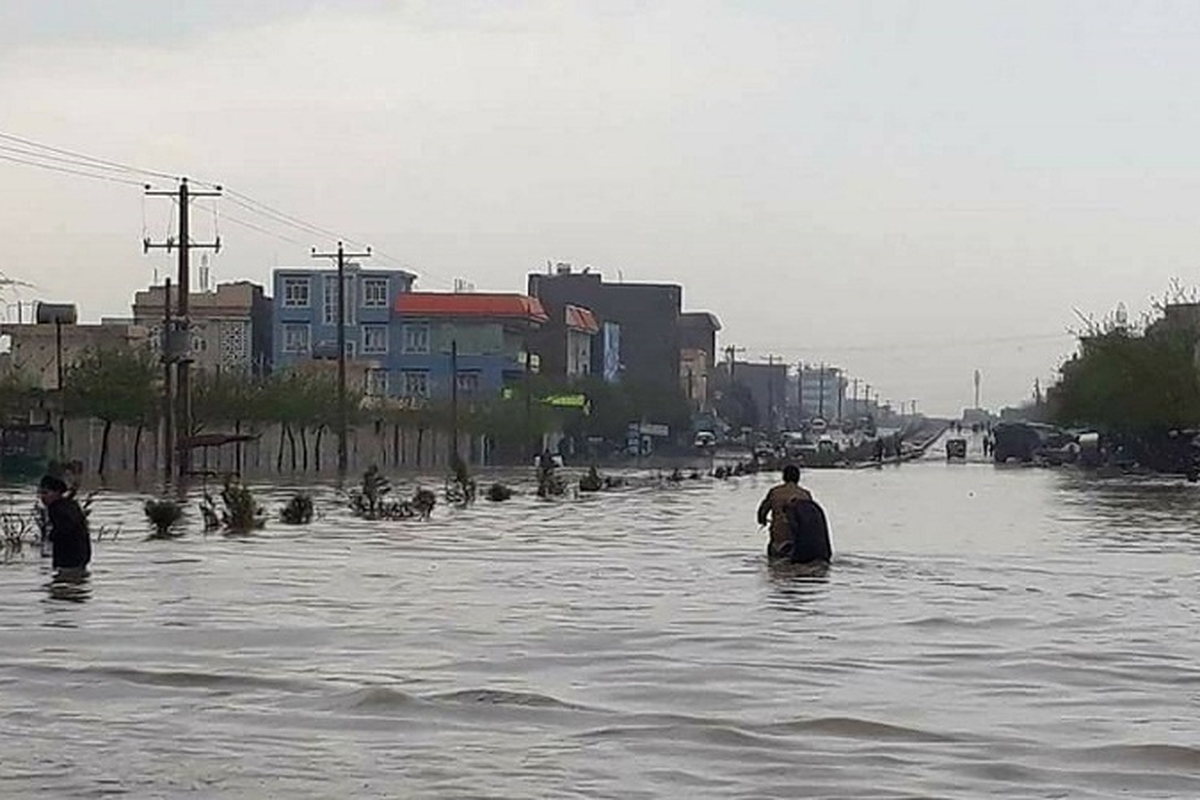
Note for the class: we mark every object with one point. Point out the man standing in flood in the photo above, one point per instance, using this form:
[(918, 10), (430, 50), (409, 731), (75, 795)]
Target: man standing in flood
[(69, 537), (775, 504)]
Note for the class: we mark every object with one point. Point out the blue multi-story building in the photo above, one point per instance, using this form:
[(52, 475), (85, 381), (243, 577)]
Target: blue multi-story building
[(490, 333), (305, 306)]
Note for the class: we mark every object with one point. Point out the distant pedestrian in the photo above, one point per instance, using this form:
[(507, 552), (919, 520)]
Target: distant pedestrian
[(67, 525)]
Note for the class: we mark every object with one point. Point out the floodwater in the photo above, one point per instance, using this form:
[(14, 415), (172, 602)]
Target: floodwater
[(984, 632)]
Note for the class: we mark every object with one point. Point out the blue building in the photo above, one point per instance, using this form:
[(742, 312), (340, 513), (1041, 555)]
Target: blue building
[(305, 310), (490, 332)]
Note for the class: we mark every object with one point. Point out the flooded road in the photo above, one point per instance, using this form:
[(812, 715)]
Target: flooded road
[(983, 632)]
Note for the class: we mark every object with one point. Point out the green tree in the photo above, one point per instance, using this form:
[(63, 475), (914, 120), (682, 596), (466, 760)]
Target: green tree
[(117, 387), (1130, 380)]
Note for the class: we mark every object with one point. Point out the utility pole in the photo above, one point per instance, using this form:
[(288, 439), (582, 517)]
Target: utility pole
[(841, 391), (771, 424), (167, 398), (821, 392), (183, 412), (731, 354), (454, 403), (800, 392), (341, 255)]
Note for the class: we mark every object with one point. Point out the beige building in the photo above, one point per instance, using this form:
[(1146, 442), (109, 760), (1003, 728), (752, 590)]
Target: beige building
[(230, 326), (33, 349)]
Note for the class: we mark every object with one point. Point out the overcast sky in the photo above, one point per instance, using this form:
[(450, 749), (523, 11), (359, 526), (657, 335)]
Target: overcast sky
[(912, 190)]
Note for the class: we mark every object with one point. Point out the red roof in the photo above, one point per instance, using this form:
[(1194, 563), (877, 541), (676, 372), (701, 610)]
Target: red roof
[(470, 304), (581, 319)]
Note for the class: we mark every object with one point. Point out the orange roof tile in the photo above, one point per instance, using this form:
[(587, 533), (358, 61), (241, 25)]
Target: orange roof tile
[(581, 319), (470, 304)]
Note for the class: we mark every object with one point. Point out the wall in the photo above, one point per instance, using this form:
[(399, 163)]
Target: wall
[(34, 347), (386, 445)]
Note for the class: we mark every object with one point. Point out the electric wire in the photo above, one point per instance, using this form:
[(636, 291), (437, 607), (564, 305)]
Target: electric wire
[(69, 171), (99, 161)]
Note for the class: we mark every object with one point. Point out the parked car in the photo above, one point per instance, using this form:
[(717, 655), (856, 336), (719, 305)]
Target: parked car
[(705, 440)]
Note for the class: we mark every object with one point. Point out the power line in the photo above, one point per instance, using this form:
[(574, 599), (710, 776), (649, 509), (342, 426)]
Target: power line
[(99, 161), (36, 154), (251, 226), (69, 171)]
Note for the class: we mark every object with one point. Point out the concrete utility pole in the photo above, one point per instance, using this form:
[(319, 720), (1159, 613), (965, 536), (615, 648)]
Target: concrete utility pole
[(454, 403), (821, 392), (841, 392), (771, 421), (800, 392), (731, 355), (168, 399), (182, 338), (341, 255)]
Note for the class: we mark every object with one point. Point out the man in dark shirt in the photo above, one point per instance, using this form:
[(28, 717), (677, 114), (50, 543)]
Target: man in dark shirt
[(68, 527)]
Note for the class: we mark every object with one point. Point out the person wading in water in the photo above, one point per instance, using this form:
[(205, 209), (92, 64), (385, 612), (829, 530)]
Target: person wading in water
[(775, 505), (68, 528)]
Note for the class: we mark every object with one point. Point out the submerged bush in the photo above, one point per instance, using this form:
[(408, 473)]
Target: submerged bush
[(299, 510), (163, 514)]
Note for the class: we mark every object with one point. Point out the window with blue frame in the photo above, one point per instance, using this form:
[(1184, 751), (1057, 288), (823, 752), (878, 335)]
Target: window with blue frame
[(377, 382), (296, 338), (416, 384), (468, 382), (330, 296), (296, 292), (416, 337), (374, 339), (374, 292)]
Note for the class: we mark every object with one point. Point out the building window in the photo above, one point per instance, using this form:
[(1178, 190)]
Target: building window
[(350, 348), (374, 292), (416, 384), (416, 338), (295, 292), (330, 305), (377, 382), (374, 339), (468, 383), (295, 339)]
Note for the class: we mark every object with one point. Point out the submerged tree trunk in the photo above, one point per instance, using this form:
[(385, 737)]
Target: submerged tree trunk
[(104, 447), (137, 449), (396, 445), (420, 441), (317, 449), (279, 457), (292, 446), (237, 448), (304, 448)]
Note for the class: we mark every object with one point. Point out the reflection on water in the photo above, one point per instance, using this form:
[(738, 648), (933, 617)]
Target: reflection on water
[(71, 585), (981, 632)]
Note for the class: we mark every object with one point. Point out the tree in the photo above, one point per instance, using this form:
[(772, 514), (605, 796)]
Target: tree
[(115, 386), (1126, 379)]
